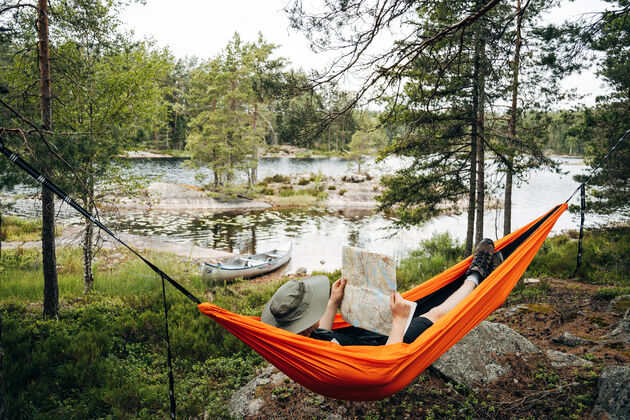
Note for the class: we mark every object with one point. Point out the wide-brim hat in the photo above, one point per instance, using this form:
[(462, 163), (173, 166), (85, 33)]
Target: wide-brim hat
[(298, 304)]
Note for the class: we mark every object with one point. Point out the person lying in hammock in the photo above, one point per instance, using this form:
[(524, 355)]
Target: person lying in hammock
[(304, 307)]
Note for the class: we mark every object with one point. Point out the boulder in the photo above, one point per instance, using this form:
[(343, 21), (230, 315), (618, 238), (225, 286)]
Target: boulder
[(571, 340), (170, 197), (301, 271), (559, 359), (355, 178), (531, 281), (622, 331), (245, 403), (619, 305), (613, 399), (474, 359)]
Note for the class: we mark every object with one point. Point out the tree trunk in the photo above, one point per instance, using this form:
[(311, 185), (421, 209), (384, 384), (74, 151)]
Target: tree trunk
[(0, 233), (51, 288), (470, 230), (480, 145), (3, 410), (174, 127), (254, 176), (88, 240), (474, 136), (88, 256), (329, 137), (507, 213)]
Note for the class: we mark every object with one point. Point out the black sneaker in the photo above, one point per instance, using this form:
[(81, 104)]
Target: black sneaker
[(482, 258)]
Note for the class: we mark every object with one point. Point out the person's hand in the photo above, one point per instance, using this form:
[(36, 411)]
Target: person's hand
[(399, 307), (336, 292)]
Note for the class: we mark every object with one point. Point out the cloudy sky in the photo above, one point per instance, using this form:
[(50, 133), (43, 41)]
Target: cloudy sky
[(203, 27)]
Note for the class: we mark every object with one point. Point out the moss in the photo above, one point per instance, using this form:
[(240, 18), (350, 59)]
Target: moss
[(597, 320), (539, 308)]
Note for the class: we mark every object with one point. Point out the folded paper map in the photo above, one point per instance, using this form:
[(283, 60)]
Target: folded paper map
[(371, 278)]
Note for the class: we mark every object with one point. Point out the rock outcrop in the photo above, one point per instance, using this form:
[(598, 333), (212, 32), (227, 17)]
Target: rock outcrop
[(619, 305), (475, 358), (245, 403), (165, 196), (613, 400), (571, 340)]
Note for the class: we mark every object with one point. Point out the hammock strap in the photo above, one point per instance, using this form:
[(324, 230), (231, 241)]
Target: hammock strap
[(171, 381), (582, 213)]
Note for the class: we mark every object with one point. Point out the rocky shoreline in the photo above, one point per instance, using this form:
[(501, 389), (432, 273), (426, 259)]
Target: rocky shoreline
[(350, 191), (282, 150)]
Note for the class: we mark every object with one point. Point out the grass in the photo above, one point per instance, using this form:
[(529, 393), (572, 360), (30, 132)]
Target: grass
[(18, 229)]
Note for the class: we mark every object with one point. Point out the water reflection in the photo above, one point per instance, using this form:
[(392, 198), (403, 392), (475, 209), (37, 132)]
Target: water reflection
[(316, 234)]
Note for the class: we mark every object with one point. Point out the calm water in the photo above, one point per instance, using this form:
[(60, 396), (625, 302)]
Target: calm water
[(317, 235)]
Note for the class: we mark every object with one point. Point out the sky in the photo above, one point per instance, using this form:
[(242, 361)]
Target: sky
[(203, 28)]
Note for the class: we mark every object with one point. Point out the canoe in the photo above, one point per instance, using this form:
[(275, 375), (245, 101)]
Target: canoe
[(246, 266)]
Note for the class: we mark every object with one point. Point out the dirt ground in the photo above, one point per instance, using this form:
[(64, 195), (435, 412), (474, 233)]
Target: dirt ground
[(567, 307)]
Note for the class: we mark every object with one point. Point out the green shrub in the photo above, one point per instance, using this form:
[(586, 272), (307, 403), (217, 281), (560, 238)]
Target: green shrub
[(342, 191), (435, 255), (278, 179), (604, 257), (609, 293), (304, 192), (332, 187), (304, 181), (105, 355)]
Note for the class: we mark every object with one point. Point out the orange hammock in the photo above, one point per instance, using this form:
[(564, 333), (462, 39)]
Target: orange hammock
[(364, 373)]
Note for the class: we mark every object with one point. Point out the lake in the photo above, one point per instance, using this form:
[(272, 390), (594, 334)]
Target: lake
[(317, 234)]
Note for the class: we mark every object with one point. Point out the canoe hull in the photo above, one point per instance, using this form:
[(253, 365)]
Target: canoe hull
[(246, 266)]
